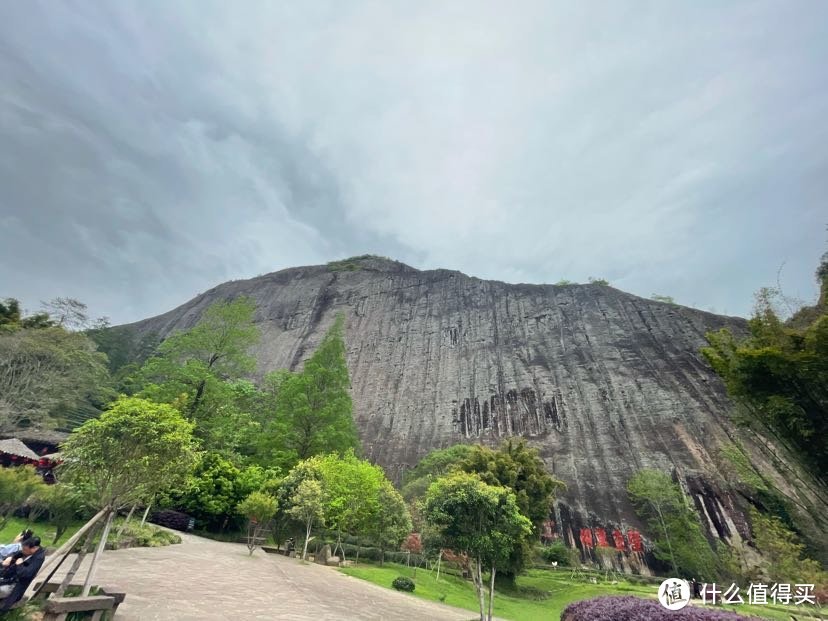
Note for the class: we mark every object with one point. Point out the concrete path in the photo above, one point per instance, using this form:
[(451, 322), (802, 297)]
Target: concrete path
[(201, 580)]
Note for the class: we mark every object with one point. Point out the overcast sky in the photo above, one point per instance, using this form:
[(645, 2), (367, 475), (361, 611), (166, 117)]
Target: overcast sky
[(151, 150)]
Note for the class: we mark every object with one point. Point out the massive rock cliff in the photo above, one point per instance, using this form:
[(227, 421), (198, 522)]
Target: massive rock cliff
[(604, 383)]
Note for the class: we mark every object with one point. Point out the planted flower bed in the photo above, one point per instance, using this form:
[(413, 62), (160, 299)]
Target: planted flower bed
[(628, 608)]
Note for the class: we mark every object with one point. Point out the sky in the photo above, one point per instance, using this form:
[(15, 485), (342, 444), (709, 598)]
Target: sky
[(152, 150)]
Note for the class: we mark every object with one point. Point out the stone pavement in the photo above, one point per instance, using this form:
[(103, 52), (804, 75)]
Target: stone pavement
[(204, 580)]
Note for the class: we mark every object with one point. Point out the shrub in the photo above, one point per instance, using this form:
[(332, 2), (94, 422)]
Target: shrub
[(403, 584), (557, 552), (629, 608)]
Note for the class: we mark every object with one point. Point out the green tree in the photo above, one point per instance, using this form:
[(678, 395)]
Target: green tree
[(62, 505), (352, 489), (677, 534), (201, 372), (431, 467), (392, 521), (308, 506), (135, 450), (16, 485), (778, 375), (49, 377), (259, 508), (519, 468), (314, 408), (783, 558), (11, 317), (212, 492), (481, 520)]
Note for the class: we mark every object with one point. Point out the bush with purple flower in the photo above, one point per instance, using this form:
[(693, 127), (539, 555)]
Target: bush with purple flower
[(629, 608)]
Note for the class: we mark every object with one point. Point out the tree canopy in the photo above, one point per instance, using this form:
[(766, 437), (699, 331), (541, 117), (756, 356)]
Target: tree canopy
[(135, 450), (481, 520), (677, 533), (314, 412), (778, 375)]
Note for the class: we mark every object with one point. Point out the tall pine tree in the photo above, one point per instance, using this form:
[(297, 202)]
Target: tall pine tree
[(314, 412)]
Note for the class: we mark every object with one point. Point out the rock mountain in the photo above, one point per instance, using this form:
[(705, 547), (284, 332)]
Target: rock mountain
[(602, 382)]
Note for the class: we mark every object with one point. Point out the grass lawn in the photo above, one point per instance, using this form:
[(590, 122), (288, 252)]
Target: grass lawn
[(44, 530), (525, 604)]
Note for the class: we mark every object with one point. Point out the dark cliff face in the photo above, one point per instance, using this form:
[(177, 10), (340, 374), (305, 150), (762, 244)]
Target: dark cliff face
[(604, 383)]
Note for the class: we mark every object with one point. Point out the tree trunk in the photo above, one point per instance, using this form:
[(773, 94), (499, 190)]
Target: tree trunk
[(197, 399), (491, 592), (87, 585), (146, 513), (477, 577), (307, 538), (439, 558), (667, 538)]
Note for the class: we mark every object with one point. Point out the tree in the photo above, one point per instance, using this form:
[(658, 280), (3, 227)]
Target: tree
[(259, 508), (199, 370), (314, 408), (68, 313), (308, 506), (16, 485), (778, 376), (48, 377), (62, 505), (678, 537), (216, 486), (392, 521), (434, 465), (478, 519), (519, 468), (352, 489), (782, 553), (11, 317), (135, 450)]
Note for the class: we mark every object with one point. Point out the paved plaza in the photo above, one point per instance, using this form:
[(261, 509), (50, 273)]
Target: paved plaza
[(201, 579)]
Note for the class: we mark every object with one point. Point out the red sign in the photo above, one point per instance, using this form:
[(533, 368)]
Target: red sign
[(601, 538), (634, 537), (586, 537), (618, 539)]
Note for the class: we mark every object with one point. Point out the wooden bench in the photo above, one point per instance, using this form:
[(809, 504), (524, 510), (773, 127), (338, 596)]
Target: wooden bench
[(57, 608), (108, 591)]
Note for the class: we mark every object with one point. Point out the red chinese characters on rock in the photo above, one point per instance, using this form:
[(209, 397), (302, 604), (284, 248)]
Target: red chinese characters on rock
[(618, 539), (634, 537), (601, 538), (586, 538)]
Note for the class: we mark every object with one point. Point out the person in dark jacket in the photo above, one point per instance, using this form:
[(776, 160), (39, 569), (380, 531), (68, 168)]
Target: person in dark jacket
[(19, 570)]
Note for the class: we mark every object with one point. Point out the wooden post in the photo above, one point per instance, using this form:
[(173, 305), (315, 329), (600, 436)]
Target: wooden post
[(66, 548), (126, 521), (67, 579), (87, 585)]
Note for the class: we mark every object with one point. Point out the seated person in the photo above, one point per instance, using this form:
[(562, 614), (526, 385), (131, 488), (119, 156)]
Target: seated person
[(14, 547), (19, 571)]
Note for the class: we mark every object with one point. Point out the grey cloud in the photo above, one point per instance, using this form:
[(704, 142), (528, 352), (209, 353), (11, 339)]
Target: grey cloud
[(151, 150)]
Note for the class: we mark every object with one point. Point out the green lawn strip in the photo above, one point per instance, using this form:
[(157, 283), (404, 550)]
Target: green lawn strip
[(524, 604), (45, 531)]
